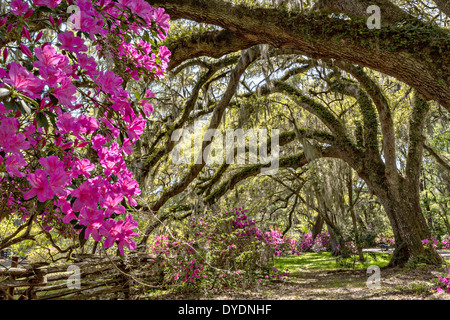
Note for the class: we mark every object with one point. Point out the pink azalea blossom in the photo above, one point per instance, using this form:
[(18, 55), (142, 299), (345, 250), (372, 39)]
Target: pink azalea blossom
[(67, 124), (18, 7), (147, 107), (47, 3), (51, 163), (98, 141), (66, 92), (88, 63), (120, 231), (98, 198), (111, 204), (89, 124), (58, 180), (48, 57), (71, 43), (23, 80), (136, 128), (66, 208), (39, 186), (93, 220), (111, 83), (10, 140), (86, 196), (84, 167), (162, 19), (13, 163), (126, 147)]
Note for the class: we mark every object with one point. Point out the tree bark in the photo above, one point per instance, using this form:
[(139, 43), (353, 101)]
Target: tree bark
[(318, 226), (397, 50), (353, 216), (410, 228), (334, 241)]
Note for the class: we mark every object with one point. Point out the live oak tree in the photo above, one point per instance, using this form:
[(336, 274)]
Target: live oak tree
[(333, 33), (405, 47)]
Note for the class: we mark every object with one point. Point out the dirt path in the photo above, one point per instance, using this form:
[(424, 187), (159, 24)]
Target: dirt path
[(396, 284)]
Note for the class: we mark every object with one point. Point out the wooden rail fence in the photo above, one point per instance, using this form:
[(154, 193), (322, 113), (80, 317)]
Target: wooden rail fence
[(86, 277)]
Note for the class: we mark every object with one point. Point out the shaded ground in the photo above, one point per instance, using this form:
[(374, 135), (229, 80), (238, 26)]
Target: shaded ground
[(396, 284), (316, 277), (444, 253)]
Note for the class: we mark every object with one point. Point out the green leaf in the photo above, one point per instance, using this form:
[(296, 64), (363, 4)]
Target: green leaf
[(138, 146), (42, 121), (52, 117), (41, 206), (45, 9), (54, 100), (11, 105), (81, 237), (146, 36), (137, 95)]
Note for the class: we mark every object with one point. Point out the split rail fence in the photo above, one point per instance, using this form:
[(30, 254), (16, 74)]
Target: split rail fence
[(86, 277)]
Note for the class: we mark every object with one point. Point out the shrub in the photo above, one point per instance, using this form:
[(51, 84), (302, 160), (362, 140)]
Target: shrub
[(320, 244), (441, 284), (219, 249)]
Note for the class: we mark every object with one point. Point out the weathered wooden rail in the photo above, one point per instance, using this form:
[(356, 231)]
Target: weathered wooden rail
[(86, 277)]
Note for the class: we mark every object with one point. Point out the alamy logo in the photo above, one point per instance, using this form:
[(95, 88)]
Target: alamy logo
[(374, 21), (74, 21), (230, 148), (374, 281), (74, 280)]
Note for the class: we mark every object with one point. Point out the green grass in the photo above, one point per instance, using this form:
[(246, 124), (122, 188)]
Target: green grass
[(325, 261)]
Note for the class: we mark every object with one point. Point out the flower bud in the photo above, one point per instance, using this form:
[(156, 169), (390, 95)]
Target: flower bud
[(5, 54), (3, 21), (52, 21), (28, 13), (109, 6), (26, 33), (26, 50), (39, 36)]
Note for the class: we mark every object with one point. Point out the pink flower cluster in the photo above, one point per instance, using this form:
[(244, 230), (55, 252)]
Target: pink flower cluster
[(233, 242), (388, 241), (442, 285), (320, 243), (48, 128), (433, 242)]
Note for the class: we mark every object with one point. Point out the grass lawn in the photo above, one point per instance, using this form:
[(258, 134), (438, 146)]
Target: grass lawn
[(325, 261)]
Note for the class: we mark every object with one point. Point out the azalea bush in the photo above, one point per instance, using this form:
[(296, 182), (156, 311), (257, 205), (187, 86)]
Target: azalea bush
[(281, 244), (442, 284), (388, 241), (438, 244), (68, 124), (221, 249), (347, 249), (321, 243)]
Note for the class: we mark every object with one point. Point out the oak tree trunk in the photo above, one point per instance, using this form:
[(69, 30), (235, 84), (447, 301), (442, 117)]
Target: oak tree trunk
[(409, 227)]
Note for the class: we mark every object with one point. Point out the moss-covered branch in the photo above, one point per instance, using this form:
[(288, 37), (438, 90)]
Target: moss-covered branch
[(411, 51)]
